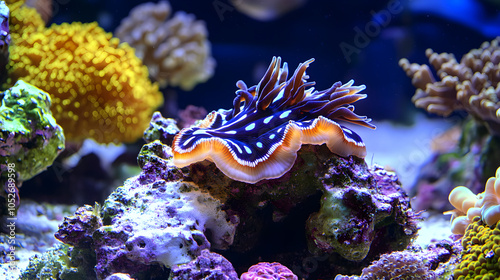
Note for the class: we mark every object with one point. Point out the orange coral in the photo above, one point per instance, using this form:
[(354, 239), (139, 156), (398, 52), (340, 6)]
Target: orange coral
[(99, 88)]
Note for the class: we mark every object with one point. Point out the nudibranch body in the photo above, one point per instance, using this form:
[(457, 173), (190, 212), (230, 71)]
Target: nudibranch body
[(259, 138)]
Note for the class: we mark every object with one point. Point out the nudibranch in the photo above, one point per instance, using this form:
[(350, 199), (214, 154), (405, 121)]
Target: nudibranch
[(259, 137)]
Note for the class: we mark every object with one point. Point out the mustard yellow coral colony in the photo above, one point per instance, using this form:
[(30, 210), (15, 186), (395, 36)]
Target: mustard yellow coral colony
[(99, 88), (481, 251), (477, 218)]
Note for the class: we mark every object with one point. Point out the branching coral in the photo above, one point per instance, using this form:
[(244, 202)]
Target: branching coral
[(485, 205), (99, 88), (471, 85), (176, 50)]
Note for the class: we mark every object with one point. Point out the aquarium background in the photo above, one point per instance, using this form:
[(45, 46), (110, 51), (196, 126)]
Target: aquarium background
[(243, 46)]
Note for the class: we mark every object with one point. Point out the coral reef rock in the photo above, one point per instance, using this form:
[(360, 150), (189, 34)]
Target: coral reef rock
[(206, 266), (438, 260), (357, 202), (159, 222), (30, 138)]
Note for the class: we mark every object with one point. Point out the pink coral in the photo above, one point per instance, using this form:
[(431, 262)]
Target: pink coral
[(265, 270)]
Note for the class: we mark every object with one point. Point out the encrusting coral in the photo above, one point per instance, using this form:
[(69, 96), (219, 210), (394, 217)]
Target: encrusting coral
[(265, 270), (481, 252), (486, 205), (435, 262), (99, 88), (471, 85), (30, 138), (207, 266), (176, 49)]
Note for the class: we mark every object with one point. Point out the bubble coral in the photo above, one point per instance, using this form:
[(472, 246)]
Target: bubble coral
[(99, 88), (265, 270), (471, 85), (481, 251), (176, 49), (486, 205)]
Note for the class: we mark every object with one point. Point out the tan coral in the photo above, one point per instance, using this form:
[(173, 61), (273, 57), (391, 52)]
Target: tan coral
[(471, 85), (43, 7), (468, 205), (175, 49)]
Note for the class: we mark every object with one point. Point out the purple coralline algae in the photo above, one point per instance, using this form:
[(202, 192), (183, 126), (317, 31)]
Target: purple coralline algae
[(265, 270), (207, 266), (77, 230), (354, 211), (364, 211), (161, 129), (4, 28), (149, 221), (166, 221), (435, 262), (4, 40)]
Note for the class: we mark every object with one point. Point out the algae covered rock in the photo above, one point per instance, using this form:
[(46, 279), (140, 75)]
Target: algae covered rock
[(158, 223), (360, 205), (60, 262), (30, 138), (207, 266)]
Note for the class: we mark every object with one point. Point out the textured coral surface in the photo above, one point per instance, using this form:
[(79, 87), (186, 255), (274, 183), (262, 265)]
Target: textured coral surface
[(158, 223), (175, 48), (481, 251), (471, 85), (99, 88), (30, 138), (265, 270)]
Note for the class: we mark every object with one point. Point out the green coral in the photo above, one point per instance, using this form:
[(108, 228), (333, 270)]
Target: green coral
[(60, 262), (481, 251), (30, 138)]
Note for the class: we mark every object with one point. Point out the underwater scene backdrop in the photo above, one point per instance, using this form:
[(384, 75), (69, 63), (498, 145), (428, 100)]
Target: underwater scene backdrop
[(249, 139)]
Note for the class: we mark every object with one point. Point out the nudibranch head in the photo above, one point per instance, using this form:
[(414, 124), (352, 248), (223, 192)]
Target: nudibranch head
[(259, 137)]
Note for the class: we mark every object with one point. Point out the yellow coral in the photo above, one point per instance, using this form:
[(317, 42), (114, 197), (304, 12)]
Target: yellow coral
[(23, 19), (99, 88), (480, 254)]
